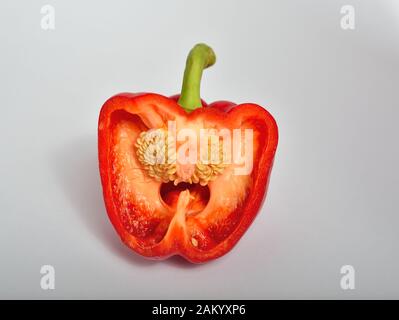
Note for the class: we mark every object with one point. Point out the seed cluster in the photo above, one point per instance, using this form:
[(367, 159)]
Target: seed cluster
[(154, 151)]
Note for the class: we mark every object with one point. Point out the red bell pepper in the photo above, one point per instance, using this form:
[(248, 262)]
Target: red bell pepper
[(196, 210)]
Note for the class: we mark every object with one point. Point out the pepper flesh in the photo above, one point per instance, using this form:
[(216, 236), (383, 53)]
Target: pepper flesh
[(158, 220)]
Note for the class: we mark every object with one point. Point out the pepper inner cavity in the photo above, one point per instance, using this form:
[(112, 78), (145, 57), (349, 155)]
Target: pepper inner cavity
[(199, 195)]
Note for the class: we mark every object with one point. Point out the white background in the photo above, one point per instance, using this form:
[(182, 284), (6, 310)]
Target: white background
[(333, 196)]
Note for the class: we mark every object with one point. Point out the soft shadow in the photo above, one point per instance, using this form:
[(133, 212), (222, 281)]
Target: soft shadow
[(76, 169), (180, 262)]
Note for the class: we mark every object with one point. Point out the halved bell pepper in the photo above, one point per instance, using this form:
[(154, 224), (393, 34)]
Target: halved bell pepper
[(196, 210)]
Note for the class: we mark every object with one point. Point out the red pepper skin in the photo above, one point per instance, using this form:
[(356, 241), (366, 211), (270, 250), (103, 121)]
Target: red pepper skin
[(154, 110), (222, 105)]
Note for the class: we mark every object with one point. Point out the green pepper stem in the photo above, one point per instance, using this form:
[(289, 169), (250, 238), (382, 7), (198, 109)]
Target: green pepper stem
[(199, 58)]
